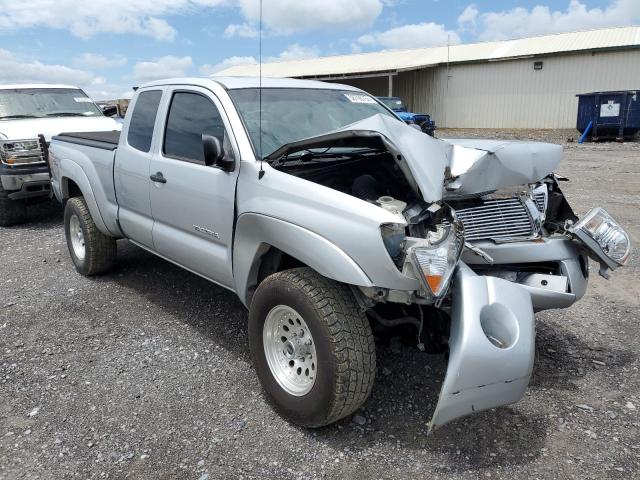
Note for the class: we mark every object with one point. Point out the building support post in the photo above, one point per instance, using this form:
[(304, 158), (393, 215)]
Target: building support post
[(390, 86)]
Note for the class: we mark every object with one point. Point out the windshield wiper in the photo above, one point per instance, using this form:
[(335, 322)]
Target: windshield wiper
[(6, 117), (66, 114), (311, 156)]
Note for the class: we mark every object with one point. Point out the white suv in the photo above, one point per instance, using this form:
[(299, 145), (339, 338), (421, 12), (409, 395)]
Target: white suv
[(27, 111)]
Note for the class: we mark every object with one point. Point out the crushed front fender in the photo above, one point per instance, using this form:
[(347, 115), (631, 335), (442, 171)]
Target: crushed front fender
[(491, 346)]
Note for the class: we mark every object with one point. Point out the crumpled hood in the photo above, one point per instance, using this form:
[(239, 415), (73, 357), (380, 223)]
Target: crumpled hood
[(23, 129), (481, 165), (462, 167)]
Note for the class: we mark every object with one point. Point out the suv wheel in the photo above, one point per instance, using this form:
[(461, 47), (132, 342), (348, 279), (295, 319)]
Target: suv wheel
[(92, 252), (12, 212), (312, 348)]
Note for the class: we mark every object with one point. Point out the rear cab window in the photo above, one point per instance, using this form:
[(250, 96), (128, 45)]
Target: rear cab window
[(143, 120)]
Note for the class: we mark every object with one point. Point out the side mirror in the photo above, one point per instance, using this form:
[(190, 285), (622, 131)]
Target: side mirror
[(110, 110), (214, 154)]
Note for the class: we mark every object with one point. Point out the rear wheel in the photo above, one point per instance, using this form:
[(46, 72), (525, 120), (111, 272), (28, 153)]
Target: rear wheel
[(12, 212), (92, 252), (312, 348)]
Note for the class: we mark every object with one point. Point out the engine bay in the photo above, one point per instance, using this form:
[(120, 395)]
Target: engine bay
[(367, 176), (372, 176)]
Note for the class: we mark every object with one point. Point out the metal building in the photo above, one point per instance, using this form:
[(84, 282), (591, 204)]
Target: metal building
[(522, 83)]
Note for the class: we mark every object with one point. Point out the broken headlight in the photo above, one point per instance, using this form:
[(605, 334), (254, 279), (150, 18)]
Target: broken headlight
[(605, 236), (393, 236), (435, 261)]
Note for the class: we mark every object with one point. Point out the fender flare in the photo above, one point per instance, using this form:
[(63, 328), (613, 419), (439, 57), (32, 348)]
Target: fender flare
[(256, 233), (73, 171)]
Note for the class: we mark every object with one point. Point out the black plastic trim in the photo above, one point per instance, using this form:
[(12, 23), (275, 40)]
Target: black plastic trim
[(87, 142)]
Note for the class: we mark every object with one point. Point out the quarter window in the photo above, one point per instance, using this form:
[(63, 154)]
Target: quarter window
[(143, 120), (191, 115)]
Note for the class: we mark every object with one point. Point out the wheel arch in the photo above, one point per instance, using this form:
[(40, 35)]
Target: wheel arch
[(264, 245), (70, 189), (74, 183)]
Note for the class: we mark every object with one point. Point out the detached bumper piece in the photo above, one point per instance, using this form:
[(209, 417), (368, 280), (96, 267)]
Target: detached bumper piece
[(492, 346)]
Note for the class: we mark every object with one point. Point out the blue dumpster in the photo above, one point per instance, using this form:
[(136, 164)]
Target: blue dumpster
[(612, 115)]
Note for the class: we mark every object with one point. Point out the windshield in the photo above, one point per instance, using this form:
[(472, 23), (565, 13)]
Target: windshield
[(291, 114), (46, 102), (392, 103)]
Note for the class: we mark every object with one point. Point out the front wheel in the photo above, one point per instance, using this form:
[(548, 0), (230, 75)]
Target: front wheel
[(312, 348), (92, 252)]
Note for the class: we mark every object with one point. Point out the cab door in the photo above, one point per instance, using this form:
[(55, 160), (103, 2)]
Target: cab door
[(193, 205), (131, 169)]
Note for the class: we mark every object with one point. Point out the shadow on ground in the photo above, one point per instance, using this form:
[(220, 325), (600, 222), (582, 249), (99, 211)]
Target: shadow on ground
[(42, 216), (562, 357)]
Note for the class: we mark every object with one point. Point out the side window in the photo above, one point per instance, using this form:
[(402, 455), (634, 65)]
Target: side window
[(143, 119), (191, 115)]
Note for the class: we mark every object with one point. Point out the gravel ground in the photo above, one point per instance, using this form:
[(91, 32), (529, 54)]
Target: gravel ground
[(145, 373)]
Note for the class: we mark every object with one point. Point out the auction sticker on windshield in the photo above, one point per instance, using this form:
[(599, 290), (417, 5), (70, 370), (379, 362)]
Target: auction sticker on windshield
[(83, 100), (357, 98)]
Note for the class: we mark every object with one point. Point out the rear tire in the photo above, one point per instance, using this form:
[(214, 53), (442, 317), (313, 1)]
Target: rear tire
[(335, 340), (92, 252), (12, 212)]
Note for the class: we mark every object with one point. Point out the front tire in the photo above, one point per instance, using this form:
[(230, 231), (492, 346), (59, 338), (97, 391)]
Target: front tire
[(92, 252), (312, 348)]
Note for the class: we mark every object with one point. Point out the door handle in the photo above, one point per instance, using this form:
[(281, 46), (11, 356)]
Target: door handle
[(158, 178)]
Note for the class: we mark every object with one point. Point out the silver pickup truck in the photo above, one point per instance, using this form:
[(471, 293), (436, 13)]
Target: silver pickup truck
[(326, 214)]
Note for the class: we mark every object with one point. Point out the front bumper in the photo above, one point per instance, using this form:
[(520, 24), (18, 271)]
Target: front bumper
[(492, 337), (546, 292), (23, 183), (491, 346)]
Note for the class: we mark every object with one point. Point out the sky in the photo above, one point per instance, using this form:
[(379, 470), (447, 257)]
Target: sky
[(108, 46)]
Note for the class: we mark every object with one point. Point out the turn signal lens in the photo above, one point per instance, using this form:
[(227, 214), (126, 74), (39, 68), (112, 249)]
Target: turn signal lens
[(434, 282), (435, 264)]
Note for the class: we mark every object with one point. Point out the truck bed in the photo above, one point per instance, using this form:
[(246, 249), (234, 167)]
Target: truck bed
[(103, 140), (90, 158)]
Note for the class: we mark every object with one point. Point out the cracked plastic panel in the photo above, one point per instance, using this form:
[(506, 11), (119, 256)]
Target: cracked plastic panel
[(492, 346)]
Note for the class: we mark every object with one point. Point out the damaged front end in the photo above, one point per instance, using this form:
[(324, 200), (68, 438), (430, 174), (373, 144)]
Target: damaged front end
[(527, 251), (483, 226), (491, 338)]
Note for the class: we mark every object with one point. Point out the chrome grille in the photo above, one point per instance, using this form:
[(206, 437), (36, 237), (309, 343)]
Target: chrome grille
[(499, 219), (540, 195), (20, 152)]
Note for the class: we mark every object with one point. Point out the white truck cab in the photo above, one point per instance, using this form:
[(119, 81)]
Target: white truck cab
[(26, 112)]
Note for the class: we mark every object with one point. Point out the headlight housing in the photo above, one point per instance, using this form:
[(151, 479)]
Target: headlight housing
[(598, 230), (21, 152), (435, 261), (393, 236)]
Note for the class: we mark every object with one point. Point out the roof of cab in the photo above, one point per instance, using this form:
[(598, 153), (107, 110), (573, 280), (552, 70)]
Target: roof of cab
[(235, 83), (18, 86)]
